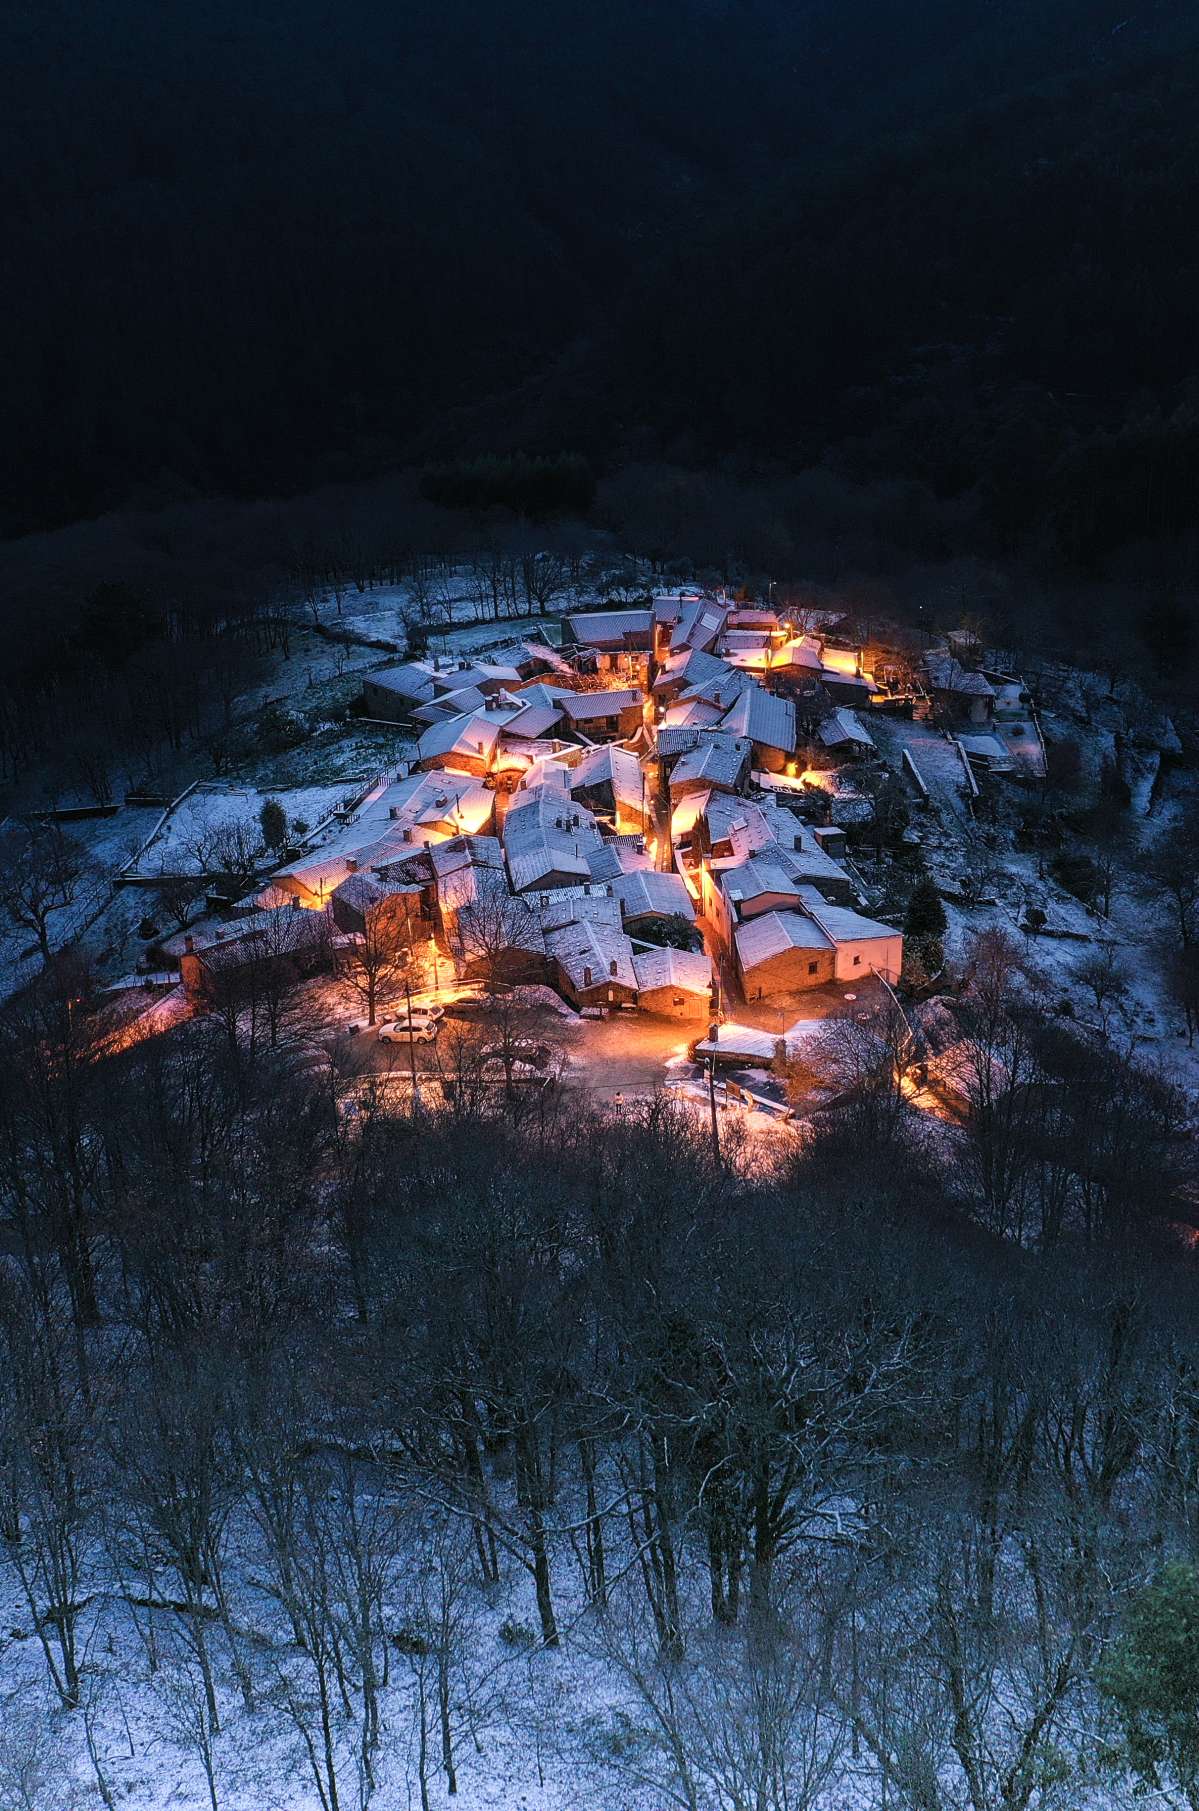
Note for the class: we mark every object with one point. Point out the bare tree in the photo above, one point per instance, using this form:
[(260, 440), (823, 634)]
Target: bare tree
[(496, 935), (40, 872), (375, 965)]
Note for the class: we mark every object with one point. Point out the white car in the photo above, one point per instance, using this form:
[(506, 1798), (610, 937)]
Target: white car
[(420, 1029)]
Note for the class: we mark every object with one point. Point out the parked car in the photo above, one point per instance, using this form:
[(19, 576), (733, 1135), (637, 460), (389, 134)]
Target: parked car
[(420, 1029), (531, 1056), (514, 1068)]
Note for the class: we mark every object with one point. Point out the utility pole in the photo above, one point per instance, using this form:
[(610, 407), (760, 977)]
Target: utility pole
[(416, 1103)]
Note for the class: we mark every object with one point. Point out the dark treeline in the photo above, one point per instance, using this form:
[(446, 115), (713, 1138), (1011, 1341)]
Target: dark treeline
[(840, 1472), (996, 311), (248, 252)]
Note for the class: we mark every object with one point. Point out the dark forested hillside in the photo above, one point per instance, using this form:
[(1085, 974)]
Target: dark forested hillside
[(1000, 307), (252, 248)]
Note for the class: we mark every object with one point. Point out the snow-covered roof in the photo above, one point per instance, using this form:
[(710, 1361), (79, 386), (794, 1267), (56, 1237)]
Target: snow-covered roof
[(591, 954), (619, 855), (735, 820), (450, 704), (390, 820), (803, 652), (676, 739), (690, 971), (695, 713), (486, 923), (989, 747), (412, 681), (718, 760), (584, 707), (748, 616), (533, 720), (758, 939), (755, 878), (550, 773), (560, 906), (842, 726), (947, 674), (806, 860), (361, 891), (692, 666), (612, 766), (698, 626), (669, 605), (281, 928), (525, 653), (719, 688), (611, 628), (486, 676), (841, 924), (472, 736), (645, 891), (545, 834), (765, 718)]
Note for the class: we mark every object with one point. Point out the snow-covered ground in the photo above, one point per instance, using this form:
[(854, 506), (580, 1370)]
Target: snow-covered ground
[(184, 841), (99, 912)]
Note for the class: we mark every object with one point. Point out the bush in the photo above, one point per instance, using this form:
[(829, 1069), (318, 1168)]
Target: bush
[(279, 729), (1150, 1676), (1078, 874), (673, 933), (410, 1640), (273, 821), (515, 1634), (925, 914)]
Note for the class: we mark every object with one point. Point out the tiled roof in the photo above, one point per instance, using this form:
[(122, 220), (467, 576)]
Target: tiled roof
[(533, 720), (841, 924), (755, 877), (843, 726), (698, 626), (766, 719), (450, 704), (690, 971), (758, 939), (619, 855), (547, 833), (717, 760), (645, 892), (471, 735), (947, 674), (612, 766), (412, 681), (592, 954), (582, 707), (611, 628)]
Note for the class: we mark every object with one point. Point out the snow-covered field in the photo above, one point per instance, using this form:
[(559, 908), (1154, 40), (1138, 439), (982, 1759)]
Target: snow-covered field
[(187, 839)]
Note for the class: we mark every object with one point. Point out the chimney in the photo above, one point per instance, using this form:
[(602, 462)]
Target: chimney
[(189, 943), (586, 977), (612, 966)]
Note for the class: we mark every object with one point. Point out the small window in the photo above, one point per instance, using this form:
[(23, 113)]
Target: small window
[(857, 961), (812, 967)]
